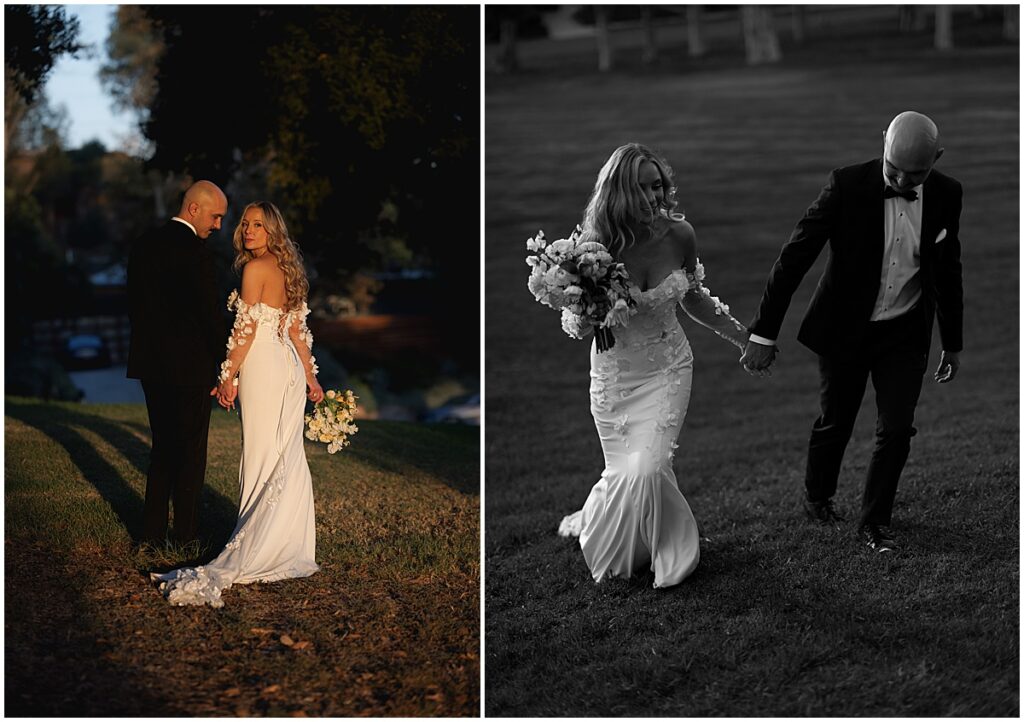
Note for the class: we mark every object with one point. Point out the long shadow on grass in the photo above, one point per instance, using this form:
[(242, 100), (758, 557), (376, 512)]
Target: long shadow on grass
[(450, 453), (55, 667), (63, 425), (218, 513)]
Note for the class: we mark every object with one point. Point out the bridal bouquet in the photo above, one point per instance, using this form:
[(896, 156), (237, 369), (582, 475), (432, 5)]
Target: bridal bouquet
[(332, 420), (583, 281)]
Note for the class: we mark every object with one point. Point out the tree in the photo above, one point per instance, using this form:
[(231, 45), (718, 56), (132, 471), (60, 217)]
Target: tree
[(694, 42), (798, 21), (604, 44), (1011, 22), (911, 19), (943, 27), (35, 37), (650, 53), (507, 18), (760, 38), (38, 126), (334, 113), (134, 48)]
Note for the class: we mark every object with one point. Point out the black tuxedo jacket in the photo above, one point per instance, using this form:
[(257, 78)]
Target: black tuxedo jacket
[(849, 215), (178, 331)]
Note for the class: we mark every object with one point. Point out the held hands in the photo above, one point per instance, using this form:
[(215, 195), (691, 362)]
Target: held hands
[(226, 394), (758, 358), (949, 365)]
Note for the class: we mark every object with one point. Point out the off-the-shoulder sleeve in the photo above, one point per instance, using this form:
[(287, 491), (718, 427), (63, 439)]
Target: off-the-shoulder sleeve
[(709, 311), (240, 338), (302, 339)]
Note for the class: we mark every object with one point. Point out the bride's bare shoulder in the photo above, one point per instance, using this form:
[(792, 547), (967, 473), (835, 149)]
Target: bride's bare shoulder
[(679, 234)]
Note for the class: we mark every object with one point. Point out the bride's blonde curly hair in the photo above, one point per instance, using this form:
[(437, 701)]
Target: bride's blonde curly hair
[(614, 206), (289, 258)]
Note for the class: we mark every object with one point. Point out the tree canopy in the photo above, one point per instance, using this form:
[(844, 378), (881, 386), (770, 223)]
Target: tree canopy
[(364, 120), (360, 122), (35, 36)]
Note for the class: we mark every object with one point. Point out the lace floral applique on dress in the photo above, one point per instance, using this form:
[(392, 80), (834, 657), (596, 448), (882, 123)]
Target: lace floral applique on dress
[(236, 540), (635, 515), (247, 318), (302, 338), (275, 536), (672, 286), (192, 586), (275, 484), (709, 311)]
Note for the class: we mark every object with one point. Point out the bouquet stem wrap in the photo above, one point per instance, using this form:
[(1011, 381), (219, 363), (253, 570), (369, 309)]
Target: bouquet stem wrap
[(605, 339)]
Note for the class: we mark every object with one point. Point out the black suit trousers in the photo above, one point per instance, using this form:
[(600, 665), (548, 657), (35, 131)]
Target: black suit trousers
[(179, 417), (894, 355)]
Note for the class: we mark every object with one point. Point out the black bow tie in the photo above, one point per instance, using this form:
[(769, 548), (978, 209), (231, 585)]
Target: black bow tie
[(890, 192)]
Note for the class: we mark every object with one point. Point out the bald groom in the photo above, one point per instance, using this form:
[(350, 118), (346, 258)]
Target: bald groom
[(892, 226), (177, 344)]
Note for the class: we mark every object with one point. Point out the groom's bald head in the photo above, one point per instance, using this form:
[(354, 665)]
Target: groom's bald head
[(204, 206), (911, 149)]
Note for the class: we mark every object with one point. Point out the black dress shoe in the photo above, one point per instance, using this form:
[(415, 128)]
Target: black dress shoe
[(877, 538), (822, 512)]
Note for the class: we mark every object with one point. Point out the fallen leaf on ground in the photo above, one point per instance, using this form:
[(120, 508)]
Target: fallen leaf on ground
[(286, 640)]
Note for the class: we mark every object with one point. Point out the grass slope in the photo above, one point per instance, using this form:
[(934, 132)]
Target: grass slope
[(781, 618), (389, 626)]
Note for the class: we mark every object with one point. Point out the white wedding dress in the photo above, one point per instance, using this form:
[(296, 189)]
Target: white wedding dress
[(635, 517), (275, 537)]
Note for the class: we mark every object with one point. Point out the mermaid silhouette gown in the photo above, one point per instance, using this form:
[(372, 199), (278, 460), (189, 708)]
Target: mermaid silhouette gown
[(635, 517), (275, 536)]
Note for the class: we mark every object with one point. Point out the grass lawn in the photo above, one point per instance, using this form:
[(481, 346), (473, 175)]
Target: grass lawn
[(389, 626), (781, 617)]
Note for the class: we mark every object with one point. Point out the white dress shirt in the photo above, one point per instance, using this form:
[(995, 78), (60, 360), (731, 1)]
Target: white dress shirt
[(901, 284), (182, 220), (900, 288)]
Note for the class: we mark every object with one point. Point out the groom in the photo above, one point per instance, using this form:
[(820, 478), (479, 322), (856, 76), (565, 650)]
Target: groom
[(177, 342), (892, 226)]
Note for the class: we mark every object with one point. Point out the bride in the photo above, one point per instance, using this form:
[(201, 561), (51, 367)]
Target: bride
[(268, 367), (635, 517)]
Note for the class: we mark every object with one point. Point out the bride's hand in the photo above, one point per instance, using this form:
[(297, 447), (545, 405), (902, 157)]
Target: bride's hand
[(316, 393), (226, 394)]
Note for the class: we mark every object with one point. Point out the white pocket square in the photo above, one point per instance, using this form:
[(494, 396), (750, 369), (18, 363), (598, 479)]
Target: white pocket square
[(942, 234)]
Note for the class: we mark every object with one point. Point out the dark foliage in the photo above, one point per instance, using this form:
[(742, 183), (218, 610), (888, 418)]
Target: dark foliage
[(34, 37), (364, 118)]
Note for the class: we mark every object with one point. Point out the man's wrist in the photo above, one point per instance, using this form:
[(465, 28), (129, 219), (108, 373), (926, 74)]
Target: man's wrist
[(762, 340)]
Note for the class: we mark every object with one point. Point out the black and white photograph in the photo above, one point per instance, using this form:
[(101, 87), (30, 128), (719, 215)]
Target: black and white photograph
[(751, 334), (242, 365)]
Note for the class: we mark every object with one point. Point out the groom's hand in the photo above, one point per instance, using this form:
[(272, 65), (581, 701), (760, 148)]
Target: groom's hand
[(757, 358), (949, 365), (226, 394)]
